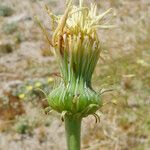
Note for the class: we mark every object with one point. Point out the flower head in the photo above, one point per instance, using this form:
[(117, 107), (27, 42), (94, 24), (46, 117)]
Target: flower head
[(77, 48)]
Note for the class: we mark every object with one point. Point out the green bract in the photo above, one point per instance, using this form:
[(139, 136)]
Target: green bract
[(79, 101), (78, 57)]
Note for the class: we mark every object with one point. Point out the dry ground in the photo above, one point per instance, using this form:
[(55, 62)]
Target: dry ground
[(26, 62)]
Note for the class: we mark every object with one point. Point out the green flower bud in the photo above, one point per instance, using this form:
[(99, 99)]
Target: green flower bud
[(77, 48), (79, 55)]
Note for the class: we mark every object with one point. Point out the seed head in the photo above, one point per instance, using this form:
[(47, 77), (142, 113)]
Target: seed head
[(77, 48)]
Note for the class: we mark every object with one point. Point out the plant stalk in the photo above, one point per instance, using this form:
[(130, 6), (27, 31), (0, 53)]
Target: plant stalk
[(73, 132)]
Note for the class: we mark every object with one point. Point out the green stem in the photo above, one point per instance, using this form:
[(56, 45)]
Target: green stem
[(73, 130)]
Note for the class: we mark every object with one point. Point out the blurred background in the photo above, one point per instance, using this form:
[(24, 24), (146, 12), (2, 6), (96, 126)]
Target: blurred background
[(27, 64)]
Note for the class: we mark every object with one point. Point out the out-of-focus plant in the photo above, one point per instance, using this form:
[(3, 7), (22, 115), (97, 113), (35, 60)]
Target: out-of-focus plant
[(9, 28), (77, 49), (5, 11), (31, 89), (6, 48)]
